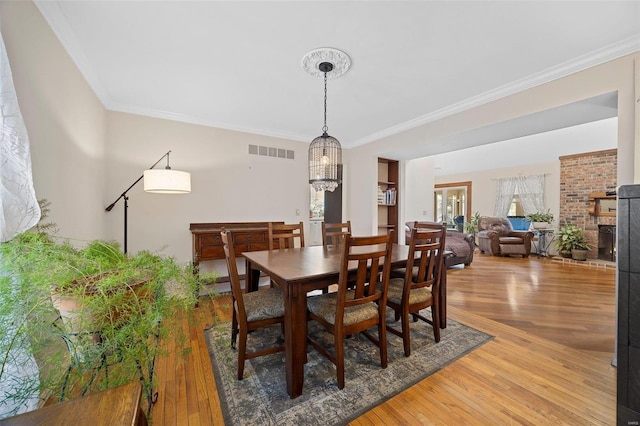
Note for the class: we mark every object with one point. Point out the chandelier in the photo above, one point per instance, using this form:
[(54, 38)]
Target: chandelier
[(325, 152)]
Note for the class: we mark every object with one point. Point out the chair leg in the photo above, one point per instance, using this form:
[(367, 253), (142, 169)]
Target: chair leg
[(234, 328), (406, 332), (339, 344), (435, 318), (382, 340), (242, 353)]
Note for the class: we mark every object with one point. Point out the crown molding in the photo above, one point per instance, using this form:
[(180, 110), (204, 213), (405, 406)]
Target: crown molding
[(596, 57), (59, 24)]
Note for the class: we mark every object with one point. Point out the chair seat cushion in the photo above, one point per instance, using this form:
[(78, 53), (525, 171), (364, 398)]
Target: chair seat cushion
[(324, 306), (263, 304), (511, 240), (400, 272), (396, 286)]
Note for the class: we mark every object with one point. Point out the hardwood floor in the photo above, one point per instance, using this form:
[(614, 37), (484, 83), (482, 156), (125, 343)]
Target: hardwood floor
[(549, 363)]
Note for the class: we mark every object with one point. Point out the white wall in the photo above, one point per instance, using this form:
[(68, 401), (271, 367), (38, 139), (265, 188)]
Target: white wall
[(228, 184), (419, 190), (65, 122)]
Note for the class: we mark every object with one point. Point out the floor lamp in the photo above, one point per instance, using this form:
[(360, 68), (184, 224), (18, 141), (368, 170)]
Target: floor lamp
[(158, 181)]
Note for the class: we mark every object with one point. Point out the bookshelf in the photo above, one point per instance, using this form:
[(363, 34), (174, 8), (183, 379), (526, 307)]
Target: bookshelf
[(388, 196)]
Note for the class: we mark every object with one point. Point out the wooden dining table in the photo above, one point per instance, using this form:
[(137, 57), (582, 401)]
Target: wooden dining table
[(301, 270)]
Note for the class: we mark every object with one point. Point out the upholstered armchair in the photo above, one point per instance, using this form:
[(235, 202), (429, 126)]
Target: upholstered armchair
[(497, 237)]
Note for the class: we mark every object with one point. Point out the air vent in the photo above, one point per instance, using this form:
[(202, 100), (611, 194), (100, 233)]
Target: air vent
[(268, 151)]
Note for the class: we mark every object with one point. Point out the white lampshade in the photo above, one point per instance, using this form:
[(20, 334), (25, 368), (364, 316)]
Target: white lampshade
[(167, 181)]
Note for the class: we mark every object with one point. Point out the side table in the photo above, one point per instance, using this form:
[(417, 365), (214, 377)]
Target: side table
[(545, 238)]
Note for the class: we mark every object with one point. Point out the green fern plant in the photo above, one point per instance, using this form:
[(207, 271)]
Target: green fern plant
[(126, 304)]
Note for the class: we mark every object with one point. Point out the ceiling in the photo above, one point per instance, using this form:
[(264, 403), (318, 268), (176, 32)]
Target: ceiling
[(237, 64)]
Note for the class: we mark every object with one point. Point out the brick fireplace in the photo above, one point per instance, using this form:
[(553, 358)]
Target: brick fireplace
[(580, 176)]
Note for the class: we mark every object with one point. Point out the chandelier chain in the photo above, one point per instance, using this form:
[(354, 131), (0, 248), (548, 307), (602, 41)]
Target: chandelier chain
[(325, 128)]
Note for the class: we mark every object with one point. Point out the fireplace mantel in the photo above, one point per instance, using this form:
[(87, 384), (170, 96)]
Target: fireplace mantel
[(601, 204)]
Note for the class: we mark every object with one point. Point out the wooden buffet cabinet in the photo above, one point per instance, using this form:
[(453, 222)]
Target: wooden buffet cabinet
[(207, 243)]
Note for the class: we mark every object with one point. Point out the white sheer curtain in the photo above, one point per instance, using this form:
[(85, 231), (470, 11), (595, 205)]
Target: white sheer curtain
[(19, 211), (531, 191), (505, 188)]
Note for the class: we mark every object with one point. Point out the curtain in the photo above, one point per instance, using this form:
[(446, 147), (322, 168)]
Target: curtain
[(531, 191), (19, 211), (505, 188)]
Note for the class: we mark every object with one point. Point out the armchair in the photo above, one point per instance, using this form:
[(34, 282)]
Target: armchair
[(497, 237)]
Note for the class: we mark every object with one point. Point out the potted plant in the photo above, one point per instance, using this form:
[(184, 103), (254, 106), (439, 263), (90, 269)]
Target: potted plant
[(570, 242), (471, 227), (79, 310), (540, 220)]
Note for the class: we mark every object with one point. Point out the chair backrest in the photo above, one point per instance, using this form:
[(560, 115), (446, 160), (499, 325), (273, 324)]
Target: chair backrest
[(333, 232), (427, 246), (372, 255), (234, 277), (282, 236), (499, 224)]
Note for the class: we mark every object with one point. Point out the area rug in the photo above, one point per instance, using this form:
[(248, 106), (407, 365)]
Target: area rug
[(261, 397)]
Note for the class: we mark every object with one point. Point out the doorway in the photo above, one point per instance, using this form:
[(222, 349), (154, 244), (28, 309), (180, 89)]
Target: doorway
[(452, 204)]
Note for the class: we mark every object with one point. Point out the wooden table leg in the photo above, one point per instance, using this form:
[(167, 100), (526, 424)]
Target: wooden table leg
[(443, 299), (252, 277), (295, 328)]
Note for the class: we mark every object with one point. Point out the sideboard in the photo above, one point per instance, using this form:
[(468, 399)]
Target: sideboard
[(207, 243)]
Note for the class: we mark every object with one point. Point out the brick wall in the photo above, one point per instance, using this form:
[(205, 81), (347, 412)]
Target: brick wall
[(580, 175)]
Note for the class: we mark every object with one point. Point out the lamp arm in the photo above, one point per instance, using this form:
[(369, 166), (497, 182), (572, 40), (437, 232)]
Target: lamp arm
[(124, 194)]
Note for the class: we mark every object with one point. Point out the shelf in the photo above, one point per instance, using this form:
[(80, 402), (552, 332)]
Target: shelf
[(388, 192)]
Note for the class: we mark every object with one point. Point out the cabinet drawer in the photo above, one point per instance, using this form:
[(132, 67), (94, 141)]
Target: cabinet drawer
[(210, 239), (211, 252), (241, 237)]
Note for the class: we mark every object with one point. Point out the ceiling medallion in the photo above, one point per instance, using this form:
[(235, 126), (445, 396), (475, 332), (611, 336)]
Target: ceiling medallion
[(340, 60)]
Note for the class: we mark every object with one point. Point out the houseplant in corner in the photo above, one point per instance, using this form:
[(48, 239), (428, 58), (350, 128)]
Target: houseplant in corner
[(122, 306), (570, 242), (540, 220)]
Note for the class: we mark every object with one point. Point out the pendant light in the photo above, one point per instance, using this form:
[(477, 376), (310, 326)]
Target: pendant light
[(325, 152)]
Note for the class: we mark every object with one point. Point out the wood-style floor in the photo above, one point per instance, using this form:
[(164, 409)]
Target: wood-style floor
[(549, 363)]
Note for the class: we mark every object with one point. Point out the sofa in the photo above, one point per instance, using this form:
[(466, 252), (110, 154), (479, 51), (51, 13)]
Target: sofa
[(461, 245), (497, 237)]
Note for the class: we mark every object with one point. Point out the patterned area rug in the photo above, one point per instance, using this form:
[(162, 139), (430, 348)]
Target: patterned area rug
[(261, 397)]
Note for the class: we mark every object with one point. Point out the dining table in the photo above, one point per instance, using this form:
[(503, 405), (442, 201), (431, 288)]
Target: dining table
[(298, 271)]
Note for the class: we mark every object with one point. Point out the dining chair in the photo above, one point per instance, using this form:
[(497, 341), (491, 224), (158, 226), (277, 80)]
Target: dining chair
[(332, 232), (251, 311), (283, 236), (351, 311), (419, 288)]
